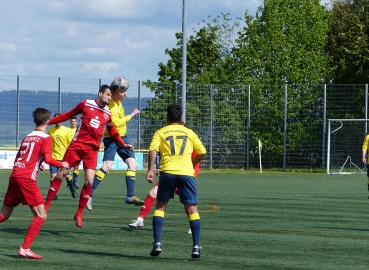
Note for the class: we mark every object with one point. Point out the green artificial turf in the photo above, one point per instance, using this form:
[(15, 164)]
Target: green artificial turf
[(249, 221)]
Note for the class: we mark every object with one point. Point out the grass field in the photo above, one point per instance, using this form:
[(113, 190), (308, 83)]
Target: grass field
[(249, 221)]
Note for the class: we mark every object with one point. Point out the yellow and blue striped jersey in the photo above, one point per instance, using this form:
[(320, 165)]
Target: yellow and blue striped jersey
[(61, 140), (176, 143), (118, 118)]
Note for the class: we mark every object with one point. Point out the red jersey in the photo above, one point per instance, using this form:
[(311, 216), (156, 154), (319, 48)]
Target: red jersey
[(92, 122), (31, 154)]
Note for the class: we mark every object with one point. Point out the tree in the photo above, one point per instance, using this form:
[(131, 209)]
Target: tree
[(348, 42), (210, 96), (283, 45)]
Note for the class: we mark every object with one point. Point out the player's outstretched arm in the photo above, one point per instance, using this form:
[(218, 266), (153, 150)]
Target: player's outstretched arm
[(48, 159), (68, 115)]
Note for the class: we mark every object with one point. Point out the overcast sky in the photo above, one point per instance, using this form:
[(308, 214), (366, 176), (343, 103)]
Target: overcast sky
[(99, 38)]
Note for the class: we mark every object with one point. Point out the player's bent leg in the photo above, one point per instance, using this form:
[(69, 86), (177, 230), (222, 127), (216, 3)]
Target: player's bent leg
[(145, 208), (6, 212), (84, 196)]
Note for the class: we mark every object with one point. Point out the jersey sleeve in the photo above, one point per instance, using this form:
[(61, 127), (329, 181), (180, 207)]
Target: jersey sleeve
[(366, 142), (198, 146), (155, 143)]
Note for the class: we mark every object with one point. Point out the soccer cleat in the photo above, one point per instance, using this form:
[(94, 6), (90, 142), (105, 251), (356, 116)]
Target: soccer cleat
[(76, 186), (134, 200), (78, 219), (55, 198), (89, 204), (156, 249), (72, 189), (136, 224), (27, 253), (196, 252), (189, 231)]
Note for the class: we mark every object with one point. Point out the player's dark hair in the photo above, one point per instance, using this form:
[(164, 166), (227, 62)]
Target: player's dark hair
[(103, 88), (41, 116), (74, 118), (57, 114), (174, 113)]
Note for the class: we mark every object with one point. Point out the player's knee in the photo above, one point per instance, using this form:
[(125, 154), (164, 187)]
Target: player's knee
[(107, 167), (132, 164), (153, 192)]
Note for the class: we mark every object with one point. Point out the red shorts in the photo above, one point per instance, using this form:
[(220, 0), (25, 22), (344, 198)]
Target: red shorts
[(77, 152), (24, 191)]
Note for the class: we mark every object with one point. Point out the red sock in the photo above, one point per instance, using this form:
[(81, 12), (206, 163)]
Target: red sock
[(145, 209), (83, 198), (2, 218), (33, 230), (54, 188)]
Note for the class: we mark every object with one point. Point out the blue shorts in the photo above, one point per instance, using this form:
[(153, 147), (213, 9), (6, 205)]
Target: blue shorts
[(54, 169), (111, 147), (186, 188)]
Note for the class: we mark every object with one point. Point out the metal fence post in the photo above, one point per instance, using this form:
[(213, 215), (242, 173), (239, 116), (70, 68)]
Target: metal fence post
[(285, 129), (366, 117), (324, 126), (139, 115), (59, 97), (18, 117), (211, 128), (248, 128)]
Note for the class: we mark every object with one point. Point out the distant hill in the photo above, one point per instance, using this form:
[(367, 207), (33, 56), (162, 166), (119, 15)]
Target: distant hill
[(29, 100)]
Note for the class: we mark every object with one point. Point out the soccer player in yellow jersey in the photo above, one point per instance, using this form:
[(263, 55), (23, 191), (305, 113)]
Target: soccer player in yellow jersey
[(119, 89), (365, 161), (175, 143), (61, 140), (73, 129)]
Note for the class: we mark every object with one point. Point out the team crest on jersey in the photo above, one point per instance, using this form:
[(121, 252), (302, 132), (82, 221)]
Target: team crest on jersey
[(106, 116)]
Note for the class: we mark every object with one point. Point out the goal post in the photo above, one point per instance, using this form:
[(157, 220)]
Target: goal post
[(344, 145)]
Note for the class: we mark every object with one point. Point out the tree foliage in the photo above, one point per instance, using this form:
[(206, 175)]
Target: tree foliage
[(283, 45), (348, 39)]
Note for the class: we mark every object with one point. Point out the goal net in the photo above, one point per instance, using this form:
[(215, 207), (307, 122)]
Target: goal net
[(344, 146)]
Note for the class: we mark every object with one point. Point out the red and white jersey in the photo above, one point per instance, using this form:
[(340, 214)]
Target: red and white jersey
[(92, 122), (31, 154)]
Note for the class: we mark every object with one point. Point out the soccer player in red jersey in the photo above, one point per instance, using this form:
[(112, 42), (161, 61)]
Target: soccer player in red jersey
[(22, 187), (95, 115)]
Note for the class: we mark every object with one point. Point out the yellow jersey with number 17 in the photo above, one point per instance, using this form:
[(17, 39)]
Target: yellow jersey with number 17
[(176, 143)]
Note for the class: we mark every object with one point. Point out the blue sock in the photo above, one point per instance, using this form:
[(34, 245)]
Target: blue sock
[(75, 178), (99, 176), (130, 182), (195, 226), (157, 226)]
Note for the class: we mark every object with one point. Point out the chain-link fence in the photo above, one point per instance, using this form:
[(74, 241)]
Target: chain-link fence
[(290, 121)]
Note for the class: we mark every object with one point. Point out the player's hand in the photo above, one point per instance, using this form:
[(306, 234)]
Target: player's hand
[(42, 166), (150, 176), (157, 172), (65, 164), (134, 113), (128, 147)]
